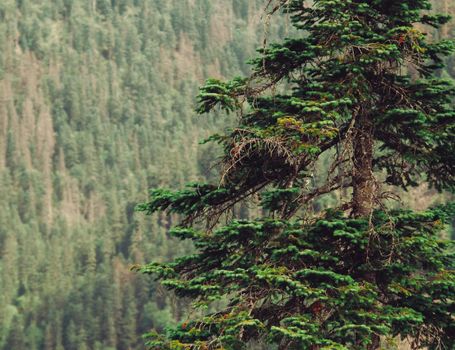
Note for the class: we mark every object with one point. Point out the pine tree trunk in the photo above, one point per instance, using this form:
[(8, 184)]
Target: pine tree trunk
[(363, 183), (362, 179), (376, 343)]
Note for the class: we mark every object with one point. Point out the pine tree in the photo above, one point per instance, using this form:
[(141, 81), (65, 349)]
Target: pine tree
[(358, 83), (15, 339)]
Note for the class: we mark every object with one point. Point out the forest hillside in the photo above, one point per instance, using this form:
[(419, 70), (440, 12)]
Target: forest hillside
[(96, 107)]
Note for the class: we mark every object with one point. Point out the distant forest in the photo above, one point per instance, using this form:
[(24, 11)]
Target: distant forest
[(97, 105)]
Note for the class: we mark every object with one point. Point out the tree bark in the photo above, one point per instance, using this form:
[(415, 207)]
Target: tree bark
[(376, 343), (363, 183), (362, 179)]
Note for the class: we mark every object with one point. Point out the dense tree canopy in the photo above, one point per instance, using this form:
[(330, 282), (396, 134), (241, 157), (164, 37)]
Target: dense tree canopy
[(93, 95), (359, 84)]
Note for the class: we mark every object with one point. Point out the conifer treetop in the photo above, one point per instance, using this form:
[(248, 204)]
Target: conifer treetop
[(351, 60)]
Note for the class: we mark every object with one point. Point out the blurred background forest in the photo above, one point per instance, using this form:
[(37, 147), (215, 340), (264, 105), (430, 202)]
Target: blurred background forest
[(96, 107)]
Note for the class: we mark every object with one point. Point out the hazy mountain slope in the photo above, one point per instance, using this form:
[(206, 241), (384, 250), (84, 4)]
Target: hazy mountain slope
[(96, 106)]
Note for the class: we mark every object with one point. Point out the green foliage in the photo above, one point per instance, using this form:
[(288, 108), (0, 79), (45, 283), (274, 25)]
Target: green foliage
[(304, 284), (216, 92), (187, 202)]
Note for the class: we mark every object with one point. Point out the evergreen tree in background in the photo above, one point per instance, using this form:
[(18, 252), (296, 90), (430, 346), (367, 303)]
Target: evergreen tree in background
[(358, 85)]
